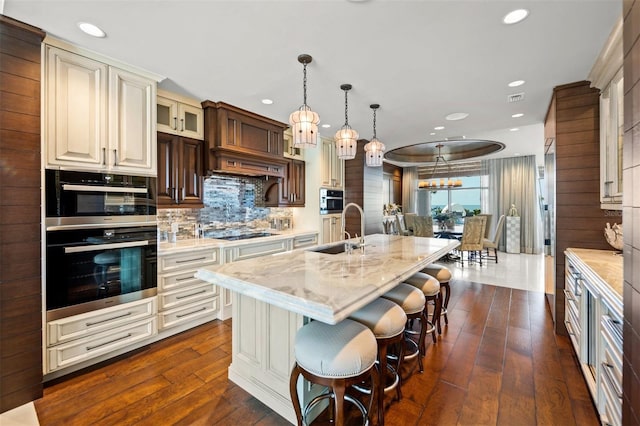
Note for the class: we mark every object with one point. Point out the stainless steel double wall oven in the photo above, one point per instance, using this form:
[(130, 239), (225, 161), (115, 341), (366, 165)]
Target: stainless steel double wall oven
[(101, 234)]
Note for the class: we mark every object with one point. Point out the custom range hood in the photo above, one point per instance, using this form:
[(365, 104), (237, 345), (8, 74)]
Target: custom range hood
[(243, 143)]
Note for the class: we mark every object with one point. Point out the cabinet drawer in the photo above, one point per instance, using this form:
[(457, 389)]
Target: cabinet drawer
[(82, 325), (304, 241), (174, 262), (185, 296), (611, 400), (178, 280), (188, 313), (254, 250), (99, 344)]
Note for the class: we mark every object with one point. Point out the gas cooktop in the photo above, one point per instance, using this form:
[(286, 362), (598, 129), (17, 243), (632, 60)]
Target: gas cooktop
[(244, 236)]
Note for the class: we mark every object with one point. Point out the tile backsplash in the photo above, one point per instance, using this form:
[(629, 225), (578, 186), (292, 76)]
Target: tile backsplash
[(232, 204)]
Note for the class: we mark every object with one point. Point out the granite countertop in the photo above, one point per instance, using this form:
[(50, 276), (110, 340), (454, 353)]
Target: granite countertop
[(203, 243), (329, 287), (607, 264)]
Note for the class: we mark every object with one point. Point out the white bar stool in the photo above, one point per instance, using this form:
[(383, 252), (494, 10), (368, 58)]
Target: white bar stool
[(386, 320), (336, 356), (443, 275), (430, 287), (412, 301)]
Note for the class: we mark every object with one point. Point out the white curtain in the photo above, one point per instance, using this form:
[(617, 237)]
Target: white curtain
[(409, 189), (512, 181)]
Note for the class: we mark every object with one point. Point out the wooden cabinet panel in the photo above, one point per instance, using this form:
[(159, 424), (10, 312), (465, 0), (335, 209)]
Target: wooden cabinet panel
[(180, 171), (289, 191)]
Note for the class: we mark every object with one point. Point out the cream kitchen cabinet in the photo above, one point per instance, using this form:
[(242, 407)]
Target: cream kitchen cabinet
[(289, 150), (180, 116), (611, 141), (97, 116), (184, 300), (331, 226), (593, 316), (84, 337), (332, 167)]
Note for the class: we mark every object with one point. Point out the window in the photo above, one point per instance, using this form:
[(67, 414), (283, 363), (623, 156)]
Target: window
[(462, 201)]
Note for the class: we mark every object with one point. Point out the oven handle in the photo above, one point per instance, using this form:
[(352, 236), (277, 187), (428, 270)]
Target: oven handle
[(89, 188), (96, 247)]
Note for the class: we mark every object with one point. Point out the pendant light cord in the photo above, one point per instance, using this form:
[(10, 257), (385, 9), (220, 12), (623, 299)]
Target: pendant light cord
[(304, 83), (374, 122), (346, 106)]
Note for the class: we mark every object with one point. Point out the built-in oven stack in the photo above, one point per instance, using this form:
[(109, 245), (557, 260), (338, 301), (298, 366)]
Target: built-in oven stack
[(100, 263), (101, 235)]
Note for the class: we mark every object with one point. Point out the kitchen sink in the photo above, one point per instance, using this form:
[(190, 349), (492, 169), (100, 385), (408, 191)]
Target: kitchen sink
[(335, 249), (244, 236)]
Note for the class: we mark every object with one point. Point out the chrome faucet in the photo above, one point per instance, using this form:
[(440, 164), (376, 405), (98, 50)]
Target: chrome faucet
[(344, 210)]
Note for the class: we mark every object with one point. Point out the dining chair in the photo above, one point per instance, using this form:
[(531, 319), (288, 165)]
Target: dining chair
[(423, 226), (493, 243), (402, 229), (487, 229), (408, 220), (472, 240)]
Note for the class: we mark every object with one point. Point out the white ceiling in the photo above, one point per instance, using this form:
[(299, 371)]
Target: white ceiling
[(420, 60)]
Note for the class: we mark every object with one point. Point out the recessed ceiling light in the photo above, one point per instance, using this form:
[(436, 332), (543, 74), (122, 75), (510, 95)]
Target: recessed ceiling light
[(457, 116), (267, 101), (515, 129), (91, 29), (515, 16), (326, 126), (438, 128), (516, 83), (516, 154), (432, 133), (518, 115)]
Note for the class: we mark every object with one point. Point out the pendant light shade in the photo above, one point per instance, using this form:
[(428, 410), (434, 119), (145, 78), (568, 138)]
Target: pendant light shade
[(346, 138), (304, 122), (374, 150)]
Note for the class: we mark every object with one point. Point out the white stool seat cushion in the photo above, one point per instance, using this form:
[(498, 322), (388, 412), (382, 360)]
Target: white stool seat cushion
[(410, 299), (429, 285), (439, 272), (346, 349), (384, 317)]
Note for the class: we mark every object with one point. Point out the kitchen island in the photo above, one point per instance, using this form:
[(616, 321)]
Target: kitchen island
[(273, 296)]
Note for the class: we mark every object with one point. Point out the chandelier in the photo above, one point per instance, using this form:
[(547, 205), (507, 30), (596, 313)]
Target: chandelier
[(442, 183), (346, 138), (374, 150), (304, 122)]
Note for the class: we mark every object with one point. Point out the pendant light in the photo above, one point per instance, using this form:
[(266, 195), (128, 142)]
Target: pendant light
[(346, 138), (374, 150), (304, 122)]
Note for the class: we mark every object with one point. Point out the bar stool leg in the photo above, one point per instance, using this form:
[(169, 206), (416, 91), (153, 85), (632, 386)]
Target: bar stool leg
[(293, 390)]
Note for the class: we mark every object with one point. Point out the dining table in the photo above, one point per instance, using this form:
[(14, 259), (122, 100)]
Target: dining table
[(452, 233)]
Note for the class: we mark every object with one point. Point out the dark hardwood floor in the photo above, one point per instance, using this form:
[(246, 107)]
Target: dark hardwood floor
[(496, 363)]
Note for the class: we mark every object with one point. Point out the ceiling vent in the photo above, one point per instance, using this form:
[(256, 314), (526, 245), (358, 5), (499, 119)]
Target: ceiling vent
[(516, 97)]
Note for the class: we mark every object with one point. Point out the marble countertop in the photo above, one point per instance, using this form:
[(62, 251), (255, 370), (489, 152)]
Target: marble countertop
[(204, 243), (607, 264), (329, 287)]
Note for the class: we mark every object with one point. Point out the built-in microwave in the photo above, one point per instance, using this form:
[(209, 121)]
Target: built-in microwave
[(331, 201)]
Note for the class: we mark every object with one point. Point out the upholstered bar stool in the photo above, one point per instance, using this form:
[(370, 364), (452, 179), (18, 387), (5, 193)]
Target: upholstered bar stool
[(386, 320), (430, 287), (412, 301), (443, 275), (336, 356)]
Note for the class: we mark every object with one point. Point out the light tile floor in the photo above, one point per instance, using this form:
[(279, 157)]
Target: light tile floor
[(520, 271)]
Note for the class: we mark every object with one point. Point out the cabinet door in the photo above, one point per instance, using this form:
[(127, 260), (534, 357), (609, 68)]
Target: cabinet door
[(297, 182), (189, 172), (326, 165), (167, 164), (75, 110), (289, 150), (132, 119), (190, 121), (331, 227), (166, 115)]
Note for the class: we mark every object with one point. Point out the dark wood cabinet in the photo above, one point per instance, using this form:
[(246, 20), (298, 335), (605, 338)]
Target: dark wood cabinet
[(288, 191), (241, 142), (180, 171)]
